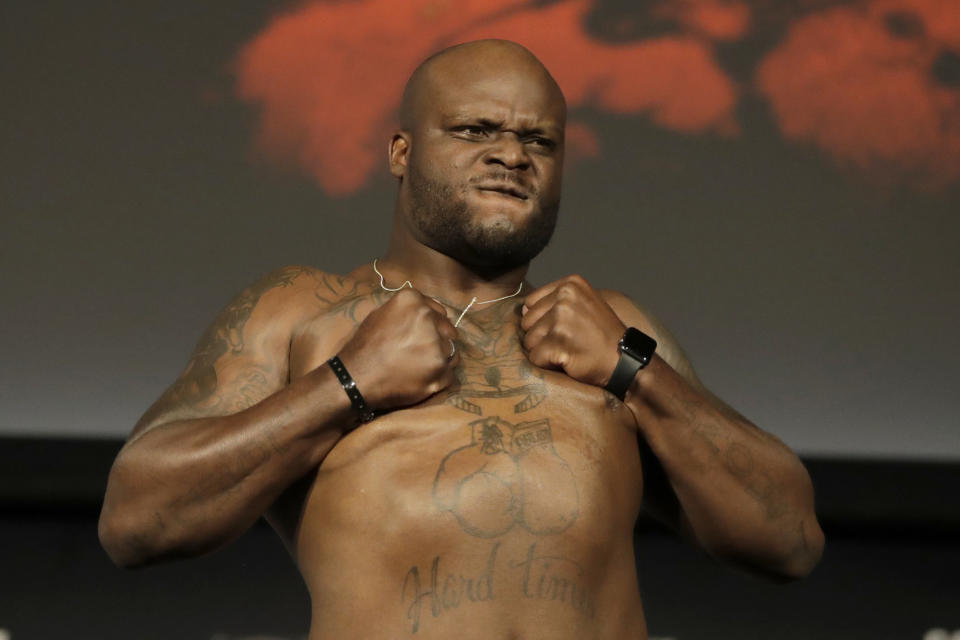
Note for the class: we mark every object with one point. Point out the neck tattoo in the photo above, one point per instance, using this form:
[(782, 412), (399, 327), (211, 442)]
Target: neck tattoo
[(407, 283)]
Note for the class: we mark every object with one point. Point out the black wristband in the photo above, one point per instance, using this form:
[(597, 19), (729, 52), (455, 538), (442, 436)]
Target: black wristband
[(350, 387), (623, 375), (636, 349)]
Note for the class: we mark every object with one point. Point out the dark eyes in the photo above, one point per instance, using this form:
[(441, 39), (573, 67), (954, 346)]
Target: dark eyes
[(473, 130), (476, 132), (546, 143)]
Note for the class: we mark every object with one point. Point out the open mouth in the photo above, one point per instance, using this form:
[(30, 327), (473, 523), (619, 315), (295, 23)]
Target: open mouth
[(506, 190)]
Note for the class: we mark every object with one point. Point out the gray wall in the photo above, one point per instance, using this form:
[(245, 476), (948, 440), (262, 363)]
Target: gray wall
[(815, 298)]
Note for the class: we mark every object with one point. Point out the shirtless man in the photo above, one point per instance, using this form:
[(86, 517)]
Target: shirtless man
[(495, 491)]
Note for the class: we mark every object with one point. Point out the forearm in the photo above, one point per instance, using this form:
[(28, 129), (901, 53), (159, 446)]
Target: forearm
[(743, 494), (189, 486)]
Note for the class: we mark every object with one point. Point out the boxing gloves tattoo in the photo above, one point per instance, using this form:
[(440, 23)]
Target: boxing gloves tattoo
[(509, 475)]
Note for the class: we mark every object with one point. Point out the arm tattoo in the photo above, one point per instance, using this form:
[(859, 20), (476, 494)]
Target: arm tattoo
[(757, 482), (738, 459), (197, 388), (348, 298)]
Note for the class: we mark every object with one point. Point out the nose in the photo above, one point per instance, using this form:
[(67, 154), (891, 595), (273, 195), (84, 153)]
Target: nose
[(509, 152)]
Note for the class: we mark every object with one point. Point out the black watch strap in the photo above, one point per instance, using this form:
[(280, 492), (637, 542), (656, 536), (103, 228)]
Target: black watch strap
[(636, 351), (350, 387)]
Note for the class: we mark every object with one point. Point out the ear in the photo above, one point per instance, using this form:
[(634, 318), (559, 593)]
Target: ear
[(399, 151)]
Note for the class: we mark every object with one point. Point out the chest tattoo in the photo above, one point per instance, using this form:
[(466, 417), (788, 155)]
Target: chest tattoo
[(494, 366)]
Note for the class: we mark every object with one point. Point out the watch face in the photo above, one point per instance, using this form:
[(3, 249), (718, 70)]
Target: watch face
[(638, 344)]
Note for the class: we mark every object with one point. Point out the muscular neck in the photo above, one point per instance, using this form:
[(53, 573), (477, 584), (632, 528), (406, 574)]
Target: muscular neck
[(440, 276)]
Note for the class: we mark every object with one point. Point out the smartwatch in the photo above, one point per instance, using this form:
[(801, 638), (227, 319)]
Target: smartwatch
[(636, 350)]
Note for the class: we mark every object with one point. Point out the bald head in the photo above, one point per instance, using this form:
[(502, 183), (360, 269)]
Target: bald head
[(479, 155), (473, 60)]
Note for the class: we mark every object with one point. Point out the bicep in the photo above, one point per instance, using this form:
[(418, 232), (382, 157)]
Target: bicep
[(634, 315), (240, 359), (224, 386), (659, 499)]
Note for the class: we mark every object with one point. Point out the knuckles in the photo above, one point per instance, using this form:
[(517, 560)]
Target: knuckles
[(566, 291), (575, 284), (413, 336), (561, 332), (563, 311)]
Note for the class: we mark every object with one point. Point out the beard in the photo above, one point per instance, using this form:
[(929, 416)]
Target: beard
[(443, 220)]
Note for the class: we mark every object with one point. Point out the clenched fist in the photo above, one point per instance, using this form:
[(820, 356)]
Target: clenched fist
[(401, 352), (571, 328)]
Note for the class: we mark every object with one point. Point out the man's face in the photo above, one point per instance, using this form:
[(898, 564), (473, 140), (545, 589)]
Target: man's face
[(483, 174)]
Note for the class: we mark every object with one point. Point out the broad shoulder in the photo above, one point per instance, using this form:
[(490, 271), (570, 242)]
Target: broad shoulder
[(293, 292), (296, 299), (636, 315), (267, 313), (243, 354)]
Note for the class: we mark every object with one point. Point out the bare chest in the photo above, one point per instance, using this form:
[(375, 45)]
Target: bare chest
[(508, 450), (510, 495)]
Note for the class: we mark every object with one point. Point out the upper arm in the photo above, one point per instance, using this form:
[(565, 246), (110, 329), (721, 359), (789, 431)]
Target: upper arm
[(242, 357), (633, 315), (659, 499)]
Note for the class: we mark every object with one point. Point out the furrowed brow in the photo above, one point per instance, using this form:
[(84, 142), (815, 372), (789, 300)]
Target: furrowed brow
[(500, 125), (490, 124), (525, 132)]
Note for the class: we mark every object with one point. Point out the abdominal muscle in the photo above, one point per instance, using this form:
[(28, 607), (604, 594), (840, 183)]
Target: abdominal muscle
[(502, 507)]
